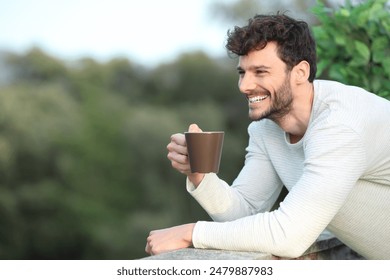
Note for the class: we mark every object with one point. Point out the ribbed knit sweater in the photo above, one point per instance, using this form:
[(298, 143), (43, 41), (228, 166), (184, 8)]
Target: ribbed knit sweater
[(337, 175)]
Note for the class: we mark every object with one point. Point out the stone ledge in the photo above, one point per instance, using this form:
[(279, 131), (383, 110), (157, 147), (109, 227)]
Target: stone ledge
[(327, 247), (207, 254)]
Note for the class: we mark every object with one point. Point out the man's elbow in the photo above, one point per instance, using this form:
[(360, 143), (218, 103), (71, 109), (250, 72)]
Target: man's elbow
[(290, 250)]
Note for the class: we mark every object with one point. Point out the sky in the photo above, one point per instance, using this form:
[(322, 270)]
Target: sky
[(146, 31)]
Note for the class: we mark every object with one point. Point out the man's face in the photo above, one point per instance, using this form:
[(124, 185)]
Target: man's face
[(266, 84)]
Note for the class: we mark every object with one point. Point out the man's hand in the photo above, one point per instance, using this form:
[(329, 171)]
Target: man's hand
[(169, 239), (178, 155)]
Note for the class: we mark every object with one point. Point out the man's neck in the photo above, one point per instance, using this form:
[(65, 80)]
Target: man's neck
[(297, 121)]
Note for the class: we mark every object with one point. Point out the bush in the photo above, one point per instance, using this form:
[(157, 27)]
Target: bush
[(353, 44)]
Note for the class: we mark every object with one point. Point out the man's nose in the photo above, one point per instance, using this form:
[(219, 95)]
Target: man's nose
[(246, 84)]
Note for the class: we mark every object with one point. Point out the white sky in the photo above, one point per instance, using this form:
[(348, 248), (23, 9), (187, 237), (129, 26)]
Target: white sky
[(146, 31)]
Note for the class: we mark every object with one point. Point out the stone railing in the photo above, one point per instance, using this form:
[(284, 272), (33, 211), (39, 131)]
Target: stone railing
[(327, 247)]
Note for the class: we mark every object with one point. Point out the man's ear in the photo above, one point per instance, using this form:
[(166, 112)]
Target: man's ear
[(301, 72)]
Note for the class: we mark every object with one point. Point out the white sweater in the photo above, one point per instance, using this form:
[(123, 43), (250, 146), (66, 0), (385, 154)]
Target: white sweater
[(338, 177)]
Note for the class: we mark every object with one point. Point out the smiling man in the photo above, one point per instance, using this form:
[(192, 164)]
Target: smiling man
[(265, 80), (326, 142)]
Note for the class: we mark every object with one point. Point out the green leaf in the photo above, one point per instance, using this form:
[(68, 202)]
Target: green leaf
[(386, 66), (378, 48), (375, 11), (376, 84), (321, 66), (385, 25), (344, 12), (340, 39), (363, 50), (362, 18), (338, 72), (319, 32)]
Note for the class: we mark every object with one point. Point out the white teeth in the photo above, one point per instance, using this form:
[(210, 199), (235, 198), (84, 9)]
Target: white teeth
[(257, 99)]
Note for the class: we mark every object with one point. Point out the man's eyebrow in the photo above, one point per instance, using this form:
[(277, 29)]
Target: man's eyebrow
[(254, 67)]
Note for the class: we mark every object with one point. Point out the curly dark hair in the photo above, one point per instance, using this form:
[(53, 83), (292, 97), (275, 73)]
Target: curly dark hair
[(293, 37)]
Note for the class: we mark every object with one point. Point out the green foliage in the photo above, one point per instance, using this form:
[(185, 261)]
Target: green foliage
[(83, 167), (353, 44), (35, 215)]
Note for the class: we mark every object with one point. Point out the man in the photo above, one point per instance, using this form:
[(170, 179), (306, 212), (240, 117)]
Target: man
[(328, 143)]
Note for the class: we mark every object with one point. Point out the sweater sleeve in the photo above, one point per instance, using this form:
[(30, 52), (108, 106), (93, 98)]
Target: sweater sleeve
[(334, 161), (255, 190)]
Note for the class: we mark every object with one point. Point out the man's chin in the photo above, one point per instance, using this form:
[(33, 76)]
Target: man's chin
[(253, 116)]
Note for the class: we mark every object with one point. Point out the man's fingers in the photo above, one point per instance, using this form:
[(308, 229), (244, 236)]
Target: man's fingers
[(194, 128), (179, 139), (173, 147), (149, 247)]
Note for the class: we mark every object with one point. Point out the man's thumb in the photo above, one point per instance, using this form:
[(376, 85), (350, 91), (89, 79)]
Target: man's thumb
[(194, 128)]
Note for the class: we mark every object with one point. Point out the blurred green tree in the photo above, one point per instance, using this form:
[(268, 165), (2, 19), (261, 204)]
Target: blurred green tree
[(36, 221), (83, 160), (35, 66)]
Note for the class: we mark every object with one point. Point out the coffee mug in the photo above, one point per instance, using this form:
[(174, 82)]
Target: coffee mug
[(204, 150)]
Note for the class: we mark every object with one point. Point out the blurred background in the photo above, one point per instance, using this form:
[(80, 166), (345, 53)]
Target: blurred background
[(90, 92)]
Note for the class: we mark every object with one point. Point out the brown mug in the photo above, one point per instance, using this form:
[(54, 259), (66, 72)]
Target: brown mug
[(204, 150)]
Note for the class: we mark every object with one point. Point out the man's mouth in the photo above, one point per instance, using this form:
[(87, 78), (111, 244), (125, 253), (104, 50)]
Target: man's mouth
[(257, 99)]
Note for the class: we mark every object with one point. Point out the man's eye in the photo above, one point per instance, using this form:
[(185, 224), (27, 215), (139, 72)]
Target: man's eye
[(241, 73)]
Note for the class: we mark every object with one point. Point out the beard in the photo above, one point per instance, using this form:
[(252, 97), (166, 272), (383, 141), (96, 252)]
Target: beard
[(280, 105)]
